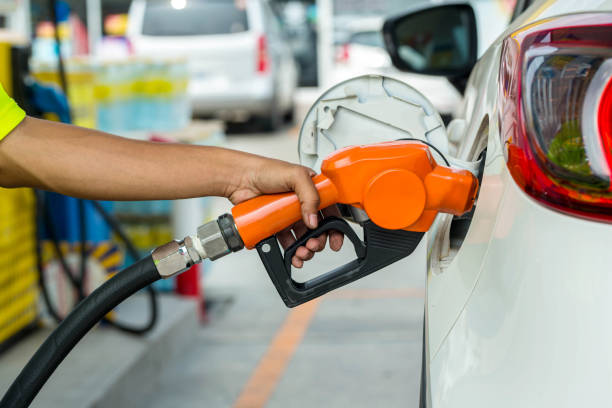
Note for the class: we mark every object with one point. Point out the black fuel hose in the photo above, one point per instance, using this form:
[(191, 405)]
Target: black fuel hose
[(83, 249), (134, 254), (45, 216), (74, 327)]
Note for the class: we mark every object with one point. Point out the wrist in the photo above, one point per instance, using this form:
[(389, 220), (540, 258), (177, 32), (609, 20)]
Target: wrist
[(241, 172)]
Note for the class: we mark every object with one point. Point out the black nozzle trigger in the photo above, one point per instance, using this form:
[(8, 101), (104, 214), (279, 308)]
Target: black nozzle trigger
[(328, 224), (379, 248)]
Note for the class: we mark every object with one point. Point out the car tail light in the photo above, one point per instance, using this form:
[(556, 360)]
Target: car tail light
[(263, 58), (343, 53), (604, 120), (556, 112)]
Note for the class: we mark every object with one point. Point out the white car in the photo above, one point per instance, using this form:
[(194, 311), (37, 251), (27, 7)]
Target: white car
[(240, 64), (519, 293), (361, 51)]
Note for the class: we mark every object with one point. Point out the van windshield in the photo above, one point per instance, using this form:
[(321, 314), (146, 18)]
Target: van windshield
[(189, 17)]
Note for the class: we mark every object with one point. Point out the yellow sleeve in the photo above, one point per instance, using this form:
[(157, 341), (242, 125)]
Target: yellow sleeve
[(10, 114)]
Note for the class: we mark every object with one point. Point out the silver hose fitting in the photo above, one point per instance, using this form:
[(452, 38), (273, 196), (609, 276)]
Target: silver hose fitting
[(214, 239), (175, 257)]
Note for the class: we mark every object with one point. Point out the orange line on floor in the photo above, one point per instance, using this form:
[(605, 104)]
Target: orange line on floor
[(376, 293), (270, 369), (266, 376)]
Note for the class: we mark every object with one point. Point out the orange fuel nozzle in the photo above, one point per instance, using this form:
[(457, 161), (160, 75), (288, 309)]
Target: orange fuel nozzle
[(398, 184)]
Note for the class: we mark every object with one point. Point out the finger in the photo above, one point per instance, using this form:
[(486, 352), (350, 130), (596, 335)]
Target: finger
[(304, 253), (299, 229), (317, 244), (308, 195), (336, 239), (314, 244), (297, 262), (285, 238)]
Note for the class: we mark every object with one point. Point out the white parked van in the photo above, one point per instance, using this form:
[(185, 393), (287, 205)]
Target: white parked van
[(240, 64)]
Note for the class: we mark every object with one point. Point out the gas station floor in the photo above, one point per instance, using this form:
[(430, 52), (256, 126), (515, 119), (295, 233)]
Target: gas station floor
[(359, 346)]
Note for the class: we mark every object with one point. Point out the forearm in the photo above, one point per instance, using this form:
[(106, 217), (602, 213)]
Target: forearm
[(94, 165)]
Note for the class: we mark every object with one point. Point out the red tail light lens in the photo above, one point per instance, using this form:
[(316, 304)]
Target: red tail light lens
[(555, 112), (343, 53), (604, 121), (263, 59)]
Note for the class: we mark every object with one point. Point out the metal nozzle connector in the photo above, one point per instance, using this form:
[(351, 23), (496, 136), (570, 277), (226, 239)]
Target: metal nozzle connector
[(175, 257), (214, 240)]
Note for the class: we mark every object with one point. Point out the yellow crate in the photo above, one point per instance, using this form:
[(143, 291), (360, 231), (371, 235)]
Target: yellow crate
[(5, 67), (18, 274), (81, 89)]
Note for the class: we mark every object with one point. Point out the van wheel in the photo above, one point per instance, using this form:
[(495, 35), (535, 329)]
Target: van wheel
[(273, 121), (289, 116)]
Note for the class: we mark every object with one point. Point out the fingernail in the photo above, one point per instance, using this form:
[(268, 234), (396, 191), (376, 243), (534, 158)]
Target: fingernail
[(313, 220)]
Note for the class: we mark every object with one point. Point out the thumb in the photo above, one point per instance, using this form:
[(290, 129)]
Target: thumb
[(308, 195)]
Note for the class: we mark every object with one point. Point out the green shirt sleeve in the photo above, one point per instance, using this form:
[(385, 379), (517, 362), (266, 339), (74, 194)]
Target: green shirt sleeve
[(10, 114)]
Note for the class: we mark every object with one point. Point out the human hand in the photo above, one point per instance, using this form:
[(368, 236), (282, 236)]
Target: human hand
[(305, 253), (269, 176)]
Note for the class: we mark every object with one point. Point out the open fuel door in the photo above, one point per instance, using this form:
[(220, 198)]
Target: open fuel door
[(364, 110)]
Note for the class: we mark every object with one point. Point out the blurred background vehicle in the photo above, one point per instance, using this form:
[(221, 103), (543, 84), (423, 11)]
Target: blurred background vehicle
[(360, 50), (240, 63), (299, 20), (359, 47)]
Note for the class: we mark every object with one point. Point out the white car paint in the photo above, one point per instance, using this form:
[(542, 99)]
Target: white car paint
[(519, 315)]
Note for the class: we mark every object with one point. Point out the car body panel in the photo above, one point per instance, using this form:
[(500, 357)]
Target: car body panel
[(449, 287), (531, 333), (515, 318)]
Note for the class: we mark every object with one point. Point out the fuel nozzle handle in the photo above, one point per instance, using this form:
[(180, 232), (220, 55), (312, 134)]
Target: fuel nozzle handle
[(266, 215), (398, 184)]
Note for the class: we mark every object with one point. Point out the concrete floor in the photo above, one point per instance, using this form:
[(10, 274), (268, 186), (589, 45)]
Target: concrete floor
[(106, 366), (358, 347)]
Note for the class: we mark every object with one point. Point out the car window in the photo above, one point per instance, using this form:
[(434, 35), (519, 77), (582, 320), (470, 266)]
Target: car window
[(425, 45), (370, 38), (164, 18), (271, 20)]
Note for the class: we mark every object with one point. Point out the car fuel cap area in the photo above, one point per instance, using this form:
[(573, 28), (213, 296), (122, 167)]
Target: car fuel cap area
[(365, 110)]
